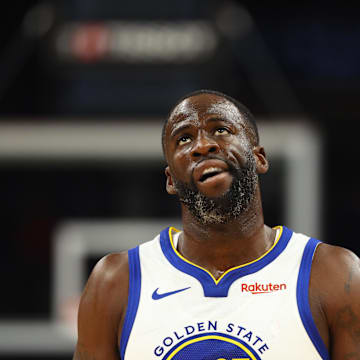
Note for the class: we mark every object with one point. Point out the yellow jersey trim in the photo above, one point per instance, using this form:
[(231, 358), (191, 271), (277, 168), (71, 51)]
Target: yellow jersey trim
[(214, 337), (216, 281)]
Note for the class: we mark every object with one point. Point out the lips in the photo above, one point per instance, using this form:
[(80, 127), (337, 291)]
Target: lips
[(208, 169)]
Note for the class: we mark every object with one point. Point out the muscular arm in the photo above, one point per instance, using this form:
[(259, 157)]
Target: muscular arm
[(101, 310), (338, 270)]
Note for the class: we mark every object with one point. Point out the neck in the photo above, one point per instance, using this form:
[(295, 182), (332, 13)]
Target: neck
[(219, 247)]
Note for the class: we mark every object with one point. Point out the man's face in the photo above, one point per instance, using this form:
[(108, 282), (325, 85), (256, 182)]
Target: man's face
[(212, 167)]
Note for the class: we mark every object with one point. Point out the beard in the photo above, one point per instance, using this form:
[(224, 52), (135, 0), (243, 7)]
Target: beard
[(228, 206)]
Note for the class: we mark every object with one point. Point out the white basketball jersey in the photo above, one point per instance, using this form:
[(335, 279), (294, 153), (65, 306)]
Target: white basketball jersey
[(259, 311)]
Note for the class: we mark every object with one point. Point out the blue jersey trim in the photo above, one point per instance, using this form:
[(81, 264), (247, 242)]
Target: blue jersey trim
[(302, 297), (221, 289), (133, 298)]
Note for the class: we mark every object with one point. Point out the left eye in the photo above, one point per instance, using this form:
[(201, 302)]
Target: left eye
[(221, 131)]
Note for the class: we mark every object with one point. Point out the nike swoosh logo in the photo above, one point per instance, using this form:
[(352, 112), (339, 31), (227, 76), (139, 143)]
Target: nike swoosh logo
[(157, 296)]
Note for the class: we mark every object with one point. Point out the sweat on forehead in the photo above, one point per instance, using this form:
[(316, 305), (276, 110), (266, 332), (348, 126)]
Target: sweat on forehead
[(208, 104), (183, 105)]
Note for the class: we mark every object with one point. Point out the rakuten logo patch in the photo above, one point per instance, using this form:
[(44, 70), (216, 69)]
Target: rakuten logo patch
[(258, 288)]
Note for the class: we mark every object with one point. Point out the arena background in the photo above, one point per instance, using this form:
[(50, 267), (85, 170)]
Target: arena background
[(85, 86)]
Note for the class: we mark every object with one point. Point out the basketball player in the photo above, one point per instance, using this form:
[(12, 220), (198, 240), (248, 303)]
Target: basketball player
[(226, 287)]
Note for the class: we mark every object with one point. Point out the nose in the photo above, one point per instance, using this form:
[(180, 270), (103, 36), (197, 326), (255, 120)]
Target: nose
[(204, 146)]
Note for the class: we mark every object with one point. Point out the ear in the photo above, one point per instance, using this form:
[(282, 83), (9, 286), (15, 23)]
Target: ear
[(262, 164), (170, 188)]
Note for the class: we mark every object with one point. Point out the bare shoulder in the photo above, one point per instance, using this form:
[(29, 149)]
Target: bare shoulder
[(336, 267), (335, 277), (108, 281), (109, 274), (102, 308)]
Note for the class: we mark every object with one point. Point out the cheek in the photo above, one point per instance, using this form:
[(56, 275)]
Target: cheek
[(181, 164), (182, 155), (240, 150)]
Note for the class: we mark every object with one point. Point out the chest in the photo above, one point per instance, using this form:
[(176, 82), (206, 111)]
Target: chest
[(259, 312)]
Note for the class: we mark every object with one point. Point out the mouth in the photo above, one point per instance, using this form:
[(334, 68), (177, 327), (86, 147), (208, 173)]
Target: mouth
[(209, 173), (212, 177), (209, 169)]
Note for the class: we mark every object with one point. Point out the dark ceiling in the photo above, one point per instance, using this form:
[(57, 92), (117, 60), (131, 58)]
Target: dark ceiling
[(297, 59)]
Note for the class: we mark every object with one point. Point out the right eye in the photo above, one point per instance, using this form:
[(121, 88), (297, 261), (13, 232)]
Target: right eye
[(184, 140)]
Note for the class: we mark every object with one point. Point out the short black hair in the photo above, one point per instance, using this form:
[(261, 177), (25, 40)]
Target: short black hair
[(248, 116)]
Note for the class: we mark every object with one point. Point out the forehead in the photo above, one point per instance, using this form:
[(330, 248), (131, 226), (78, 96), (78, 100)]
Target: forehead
[(202, 106)]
